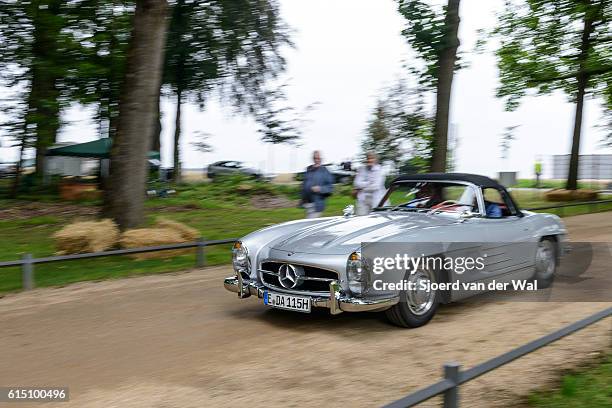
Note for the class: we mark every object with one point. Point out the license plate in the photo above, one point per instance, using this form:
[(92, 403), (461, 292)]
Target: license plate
[(288, 302)]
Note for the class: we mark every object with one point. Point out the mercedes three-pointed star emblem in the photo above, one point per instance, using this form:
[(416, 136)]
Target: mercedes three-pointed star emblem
[(288, 276)]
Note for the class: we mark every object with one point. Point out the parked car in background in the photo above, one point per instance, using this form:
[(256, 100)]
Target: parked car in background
[(303, 264), (7, 170), (338, 171), (227, 167)]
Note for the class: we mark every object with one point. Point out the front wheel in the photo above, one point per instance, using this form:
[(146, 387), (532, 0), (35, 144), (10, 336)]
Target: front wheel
[(545, 263), (416, 307)]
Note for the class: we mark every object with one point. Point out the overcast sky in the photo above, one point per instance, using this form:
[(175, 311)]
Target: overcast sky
[(346, 52)]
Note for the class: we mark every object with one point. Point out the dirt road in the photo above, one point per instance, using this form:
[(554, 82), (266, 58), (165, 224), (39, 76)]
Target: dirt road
[(181, 340)]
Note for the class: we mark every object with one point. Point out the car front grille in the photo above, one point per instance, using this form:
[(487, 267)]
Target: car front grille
[(315, 280)]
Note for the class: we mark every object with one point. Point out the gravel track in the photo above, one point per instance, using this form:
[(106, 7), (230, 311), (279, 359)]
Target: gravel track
[(181, 340)]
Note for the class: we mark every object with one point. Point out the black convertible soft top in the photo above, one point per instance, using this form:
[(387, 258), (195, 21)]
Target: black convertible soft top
[(481, 181)]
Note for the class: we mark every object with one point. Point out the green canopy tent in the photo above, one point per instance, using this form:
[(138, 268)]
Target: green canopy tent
[(98, 149)]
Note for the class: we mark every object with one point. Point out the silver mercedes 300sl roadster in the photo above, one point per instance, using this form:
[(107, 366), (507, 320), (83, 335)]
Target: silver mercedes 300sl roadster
[(322, 263)]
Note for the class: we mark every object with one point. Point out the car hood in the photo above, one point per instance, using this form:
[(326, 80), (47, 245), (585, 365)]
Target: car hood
[(342, 235)]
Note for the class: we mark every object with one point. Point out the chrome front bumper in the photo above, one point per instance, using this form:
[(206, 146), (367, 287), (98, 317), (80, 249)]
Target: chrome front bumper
[(337, 302)]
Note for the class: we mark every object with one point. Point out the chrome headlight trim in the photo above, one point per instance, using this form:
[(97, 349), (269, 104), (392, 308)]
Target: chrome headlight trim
[(355, 273), (240, 258)]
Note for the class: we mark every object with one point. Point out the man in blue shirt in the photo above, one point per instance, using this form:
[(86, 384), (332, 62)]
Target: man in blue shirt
[(493, 210), (317, 186)]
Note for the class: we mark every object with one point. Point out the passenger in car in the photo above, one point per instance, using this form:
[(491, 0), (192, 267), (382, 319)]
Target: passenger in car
[(493, 209)]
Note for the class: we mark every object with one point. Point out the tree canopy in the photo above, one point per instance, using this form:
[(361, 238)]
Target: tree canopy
[(433, 34), (549, 45), (544, 47), (400, 129)]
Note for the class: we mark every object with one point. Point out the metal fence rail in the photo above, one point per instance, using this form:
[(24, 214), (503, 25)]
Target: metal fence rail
[(453, 376), (27, 262)]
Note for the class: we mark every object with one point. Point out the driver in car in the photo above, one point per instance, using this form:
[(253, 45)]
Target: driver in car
[(428, 196)]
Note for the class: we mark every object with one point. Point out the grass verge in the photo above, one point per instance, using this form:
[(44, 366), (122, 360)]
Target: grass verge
[(589, 388)]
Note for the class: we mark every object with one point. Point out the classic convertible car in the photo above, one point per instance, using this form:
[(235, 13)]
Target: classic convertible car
[(322, 263)]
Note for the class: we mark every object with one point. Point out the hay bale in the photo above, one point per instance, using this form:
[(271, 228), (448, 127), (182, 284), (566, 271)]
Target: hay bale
[(244, 188), (571, 195), (188, 233), (145, 237), (87, 236)]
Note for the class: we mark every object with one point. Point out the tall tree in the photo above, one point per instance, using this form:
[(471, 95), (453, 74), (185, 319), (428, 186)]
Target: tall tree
[(280, 123), (137, 108), (400, 130), (46, 72), (100, 33), (434, 36), (379, 138), (60, 53), (549, 45), (228, 47), (31, 57)]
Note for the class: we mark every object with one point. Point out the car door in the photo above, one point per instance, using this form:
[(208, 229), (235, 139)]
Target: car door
[(509, 248), (467, 237)]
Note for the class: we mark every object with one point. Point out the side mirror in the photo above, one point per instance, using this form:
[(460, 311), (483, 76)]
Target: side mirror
[(349, 211)]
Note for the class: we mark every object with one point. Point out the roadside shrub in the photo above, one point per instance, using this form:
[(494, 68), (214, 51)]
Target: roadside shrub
[(87, 236), (571, 195)]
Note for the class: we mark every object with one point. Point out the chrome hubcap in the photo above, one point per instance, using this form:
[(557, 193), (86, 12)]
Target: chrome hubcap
[(419, 299), (545, 259)]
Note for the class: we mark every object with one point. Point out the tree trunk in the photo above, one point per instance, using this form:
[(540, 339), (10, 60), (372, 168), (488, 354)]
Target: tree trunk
[(177, 136), (125, 199), (19, 167), (446, 71), (572, 176), (157, 127), (582, 79), (44, 94)]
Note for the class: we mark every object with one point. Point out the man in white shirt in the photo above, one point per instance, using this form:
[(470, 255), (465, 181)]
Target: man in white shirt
[(369, 185)]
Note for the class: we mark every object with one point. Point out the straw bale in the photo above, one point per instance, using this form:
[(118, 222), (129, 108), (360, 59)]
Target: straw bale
[(188, 233), (145, 237), (86, 236)]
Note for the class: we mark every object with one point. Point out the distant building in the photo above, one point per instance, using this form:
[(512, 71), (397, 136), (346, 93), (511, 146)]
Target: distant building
[(590, 167)]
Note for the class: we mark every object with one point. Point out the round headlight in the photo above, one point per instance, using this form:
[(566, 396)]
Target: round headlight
[(355, 273), (240, 257)]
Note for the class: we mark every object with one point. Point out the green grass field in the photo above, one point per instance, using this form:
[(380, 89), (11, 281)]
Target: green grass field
[(531, 183), (215, 209), (589, 388)]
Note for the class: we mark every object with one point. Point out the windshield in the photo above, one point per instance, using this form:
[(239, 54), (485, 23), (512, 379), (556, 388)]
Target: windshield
[(428, 196)]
